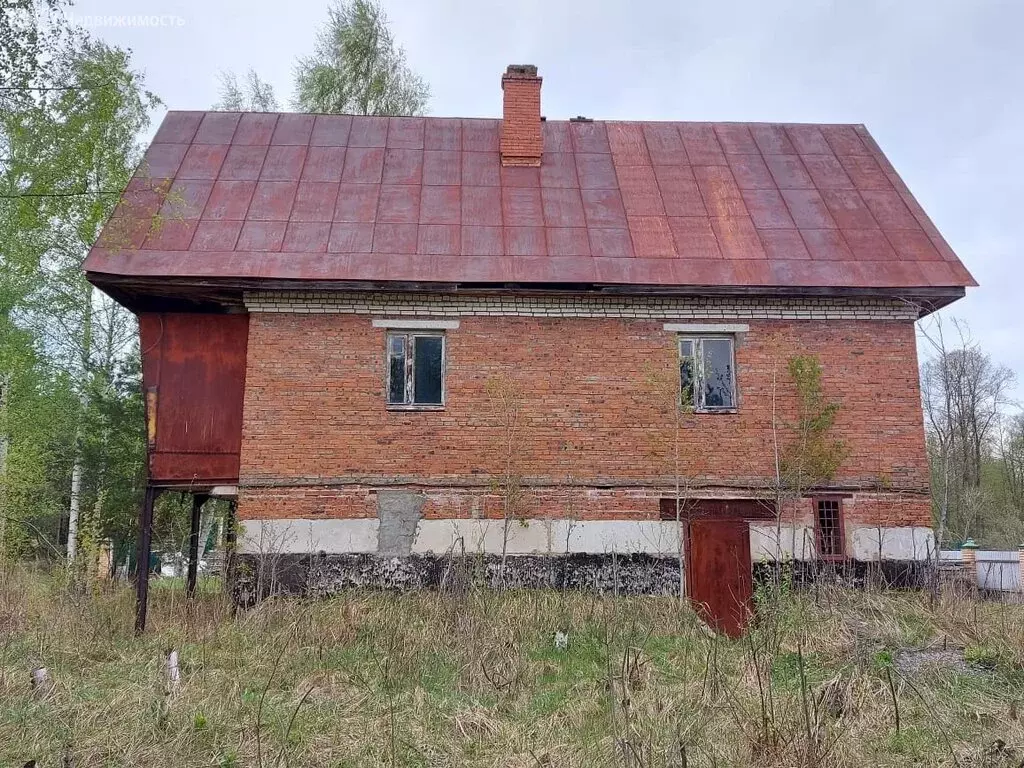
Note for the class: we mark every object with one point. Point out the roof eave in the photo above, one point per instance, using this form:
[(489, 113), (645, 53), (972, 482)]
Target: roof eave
[(225, 294)]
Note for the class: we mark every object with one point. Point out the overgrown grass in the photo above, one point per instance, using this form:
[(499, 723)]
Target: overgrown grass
[(422, 679)]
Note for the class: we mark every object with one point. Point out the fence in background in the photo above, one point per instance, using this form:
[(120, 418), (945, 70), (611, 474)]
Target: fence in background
[(998, 571)]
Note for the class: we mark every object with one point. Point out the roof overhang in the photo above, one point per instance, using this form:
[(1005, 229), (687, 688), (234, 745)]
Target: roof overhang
[(226, 294)]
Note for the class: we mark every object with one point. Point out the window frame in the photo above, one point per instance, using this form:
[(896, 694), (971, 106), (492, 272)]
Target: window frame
[(697, 339), (410, 335), (840, 525)]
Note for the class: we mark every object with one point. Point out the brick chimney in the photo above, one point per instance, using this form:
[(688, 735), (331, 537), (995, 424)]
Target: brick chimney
[(521, 139)]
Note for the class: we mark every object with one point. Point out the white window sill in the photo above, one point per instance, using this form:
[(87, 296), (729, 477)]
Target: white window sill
[(725, 328)]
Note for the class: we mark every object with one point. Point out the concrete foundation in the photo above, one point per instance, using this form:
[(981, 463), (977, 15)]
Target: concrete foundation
[(258, 576), (400, 550), (890, 574)]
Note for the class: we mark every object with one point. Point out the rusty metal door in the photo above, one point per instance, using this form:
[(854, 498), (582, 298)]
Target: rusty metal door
[(719, 577)]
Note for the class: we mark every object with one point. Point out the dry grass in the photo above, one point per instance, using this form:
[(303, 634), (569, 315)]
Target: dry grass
[(373, 679)]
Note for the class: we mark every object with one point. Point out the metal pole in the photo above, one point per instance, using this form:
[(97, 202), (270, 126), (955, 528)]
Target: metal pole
[(198, 500), (230, 537), (144, 542)]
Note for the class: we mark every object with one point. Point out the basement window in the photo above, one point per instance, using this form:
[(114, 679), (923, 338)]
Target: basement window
[(415, 370), (828, 519), (707, 373)]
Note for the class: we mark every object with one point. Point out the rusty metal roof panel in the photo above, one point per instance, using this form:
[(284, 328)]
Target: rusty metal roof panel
[(340, 198)]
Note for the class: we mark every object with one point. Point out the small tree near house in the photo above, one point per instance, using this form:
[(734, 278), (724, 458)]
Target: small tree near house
[(806, 453), (506, 399), (888, 515), (675, 409)]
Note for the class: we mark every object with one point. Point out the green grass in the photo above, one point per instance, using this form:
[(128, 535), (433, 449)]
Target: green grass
[(421, 679)]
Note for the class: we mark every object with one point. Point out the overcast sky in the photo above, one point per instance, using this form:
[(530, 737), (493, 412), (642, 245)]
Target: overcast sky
[(939, 83)]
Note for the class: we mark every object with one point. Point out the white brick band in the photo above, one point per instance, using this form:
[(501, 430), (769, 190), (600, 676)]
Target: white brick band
[(707, 327), (416, 325), (631, 307)]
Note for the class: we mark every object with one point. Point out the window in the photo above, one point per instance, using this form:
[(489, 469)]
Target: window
[(415, 369), (707, 373), (829, 524)]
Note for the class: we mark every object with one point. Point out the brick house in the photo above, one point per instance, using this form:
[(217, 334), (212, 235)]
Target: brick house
[(379, 334)]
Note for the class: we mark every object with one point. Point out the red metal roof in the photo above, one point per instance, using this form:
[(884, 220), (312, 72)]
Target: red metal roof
[(335, 197)]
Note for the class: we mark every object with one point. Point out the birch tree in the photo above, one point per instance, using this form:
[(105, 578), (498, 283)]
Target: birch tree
[(357, 67), (252, 94), (73, 111)]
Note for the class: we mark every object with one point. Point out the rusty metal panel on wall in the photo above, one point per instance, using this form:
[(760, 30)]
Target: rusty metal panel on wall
[(193, 367)]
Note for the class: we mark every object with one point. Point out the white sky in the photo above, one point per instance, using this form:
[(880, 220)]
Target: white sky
[(939, 83)]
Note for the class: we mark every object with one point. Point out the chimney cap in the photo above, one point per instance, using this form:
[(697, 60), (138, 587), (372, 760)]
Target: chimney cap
[(520, 71)]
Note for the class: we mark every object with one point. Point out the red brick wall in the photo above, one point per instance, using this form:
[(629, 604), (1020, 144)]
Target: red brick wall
[(360, 501), (888, 510), (593, 410)]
